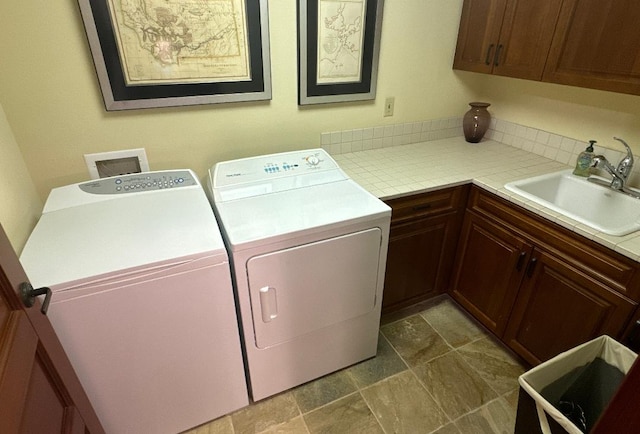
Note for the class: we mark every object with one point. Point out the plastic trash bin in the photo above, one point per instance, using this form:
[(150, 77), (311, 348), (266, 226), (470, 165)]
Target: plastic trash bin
[(568, 393)]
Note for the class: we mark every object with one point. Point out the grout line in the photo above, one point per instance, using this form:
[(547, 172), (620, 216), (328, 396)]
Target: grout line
[(371, 409), (331, 402), (432, 397), (414, 373), (464, 359), (486, 404)]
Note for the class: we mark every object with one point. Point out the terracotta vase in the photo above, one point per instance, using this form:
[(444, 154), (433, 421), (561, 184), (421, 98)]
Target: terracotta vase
[(476, 121)]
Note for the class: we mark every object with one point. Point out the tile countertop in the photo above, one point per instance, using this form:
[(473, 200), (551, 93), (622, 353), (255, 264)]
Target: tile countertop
[(408, 169)]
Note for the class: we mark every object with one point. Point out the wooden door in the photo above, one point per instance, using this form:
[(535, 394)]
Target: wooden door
[(39, 391), (478, 35), (489, 267), (525, 38), (559, 307), (597, 45)]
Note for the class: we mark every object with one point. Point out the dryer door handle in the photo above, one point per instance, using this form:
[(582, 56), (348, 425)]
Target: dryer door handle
[(268, 303)]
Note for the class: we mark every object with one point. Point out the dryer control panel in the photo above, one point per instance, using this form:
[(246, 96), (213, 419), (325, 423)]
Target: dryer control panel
[(139, 181), (265, 174), (266, 167), (297, 162)]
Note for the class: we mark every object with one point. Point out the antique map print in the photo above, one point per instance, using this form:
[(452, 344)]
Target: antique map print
[(340, 40), (181, 41)]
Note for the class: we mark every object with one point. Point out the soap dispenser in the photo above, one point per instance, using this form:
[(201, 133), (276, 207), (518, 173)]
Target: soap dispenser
[(583, 163)]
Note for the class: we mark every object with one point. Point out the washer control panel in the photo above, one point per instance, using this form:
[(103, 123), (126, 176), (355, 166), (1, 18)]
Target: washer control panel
[(136, 182)]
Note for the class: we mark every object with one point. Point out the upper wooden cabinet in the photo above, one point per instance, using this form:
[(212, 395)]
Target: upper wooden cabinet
[(478, 35), (506, 37), (597, 45), (586, 43)]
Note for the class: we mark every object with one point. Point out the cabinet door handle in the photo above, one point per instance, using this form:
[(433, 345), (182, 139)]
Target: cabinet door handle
[(521, 260), (487, 60), (497, 58), (422, 207), (531, 266)]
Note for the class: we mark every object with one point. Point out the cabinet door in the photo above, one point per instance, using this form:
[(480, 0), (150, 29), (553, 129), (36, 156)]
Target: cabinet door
[(525, 38), (597, 45), (506, 37), (419, 260), (478, 35), (559, 307), (488, 271)]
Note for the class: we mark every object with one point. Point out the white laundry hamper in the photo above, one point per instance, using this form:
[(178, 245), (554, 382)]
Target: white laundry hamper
[(575, 371)]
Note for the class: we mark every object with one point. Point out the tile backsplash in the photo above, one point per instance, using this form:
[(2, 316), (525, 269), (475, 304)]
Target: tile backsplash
[(363, 139), (550, 145)]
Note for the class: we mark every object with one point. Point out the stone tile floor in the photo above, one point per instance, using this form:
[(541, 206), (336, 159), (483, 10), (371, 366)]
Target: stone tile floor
[(437, 371)]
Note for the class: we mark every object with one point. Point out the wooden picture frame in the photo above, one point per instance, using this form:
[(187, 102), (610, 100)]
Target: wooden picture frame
[(151, 54), (338, 50)]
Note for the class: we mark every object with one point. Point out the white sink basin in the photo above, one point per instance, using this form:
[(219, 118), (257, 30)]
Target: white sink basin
[(597, 206)]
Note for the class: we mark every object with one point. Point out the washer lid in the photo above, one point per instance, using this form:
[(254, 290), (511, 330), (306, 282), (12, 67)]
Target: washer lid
[(277, 216), (128, 231)]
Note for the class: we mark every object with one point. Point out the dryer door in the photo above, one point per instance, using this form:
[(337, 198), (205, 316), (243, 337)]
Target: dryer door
[(305, 288)]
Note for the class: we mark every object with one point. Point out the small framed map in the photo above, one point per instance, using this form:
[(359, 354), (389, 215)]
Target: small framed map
[(338, 50), (160, 53)]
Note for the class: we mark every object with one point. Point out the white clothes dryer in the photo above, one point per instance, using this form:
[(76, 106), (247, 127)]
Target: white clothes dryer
[(142, 299), (308, 250)]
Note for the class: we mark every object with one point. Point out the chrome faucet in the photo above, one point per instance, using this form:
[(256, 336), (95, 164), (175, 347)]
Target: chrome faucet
[(620, 173)]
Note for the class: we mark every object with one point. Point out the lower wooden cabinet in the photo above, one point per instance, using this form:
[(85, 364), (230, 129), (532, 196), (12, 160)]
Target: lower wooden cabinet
[(422, 243), (558, 307), (489, 269), (539, 287)]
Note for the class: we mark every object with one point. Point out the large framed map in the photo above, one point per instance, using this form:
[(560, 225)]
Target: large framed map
[(159, 53), (338, 50)]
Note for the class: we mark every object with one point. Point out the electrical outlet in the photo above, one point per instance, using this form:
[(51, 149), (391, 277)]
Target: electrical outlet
[(388, 106)]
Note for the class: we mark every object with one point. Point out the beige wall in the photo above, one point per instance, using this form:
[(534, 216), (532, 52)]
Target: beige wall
[(20, 205), (51, 96), (582, 114)]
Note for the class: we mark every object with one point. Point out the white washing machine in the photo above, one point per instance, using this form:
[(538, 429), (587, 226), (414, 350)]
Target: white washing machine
[(142, 299), (308, 249)]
